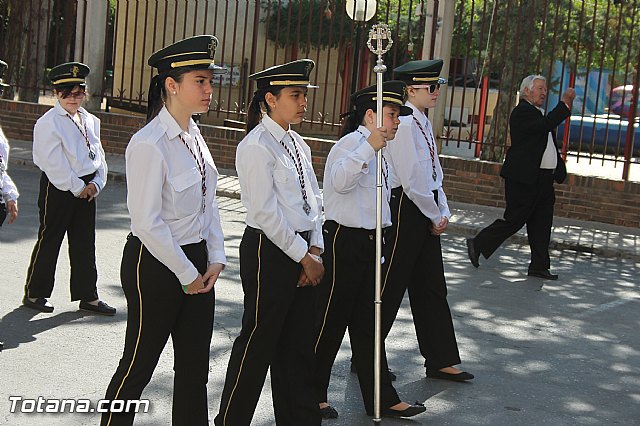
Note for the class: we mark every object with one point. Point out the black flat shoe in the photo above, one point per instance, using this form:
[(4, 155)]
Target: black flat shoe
[(328, 412), (410, 411), (101, 308), (474, 255), (460, 377), (542, 273), (40, 304)]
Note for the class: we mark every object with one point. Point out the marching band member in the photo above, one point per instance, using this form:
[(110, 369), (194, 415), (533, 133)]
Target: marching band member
[(175, 251), (346, 293), (67, 148), (279, 255)]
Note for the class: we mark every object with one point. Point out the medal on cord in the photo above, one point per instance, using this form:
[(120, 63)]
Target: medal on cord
[(298, 163), (201, 165), (431, 147), (85, 135)]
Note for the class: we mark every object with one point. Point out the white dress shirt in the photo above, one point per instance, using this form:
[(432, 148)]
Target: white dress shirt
[(60, 149), (349, 183), (164, 194), (270, 188), (410, 160), (8, 190)]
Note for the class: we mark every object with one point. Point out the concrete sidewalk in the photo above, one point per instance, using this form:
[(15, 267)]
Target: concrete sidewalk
[(467, 219)]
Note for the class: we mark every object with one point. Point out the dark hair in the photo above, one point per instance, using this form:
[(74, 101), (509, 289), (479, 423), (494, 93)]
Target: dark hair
[(158, 92), (66, 89), (258, 104), (352, 120)]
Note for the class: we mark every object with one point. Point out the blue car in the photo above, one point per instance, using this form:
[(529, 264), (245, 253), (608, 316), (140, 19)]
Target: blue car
[(600, 134)]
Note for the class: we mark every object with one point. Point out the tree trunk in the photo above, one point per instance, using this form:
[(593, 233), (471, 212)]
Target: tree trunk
[(514, 33), (36, 50)]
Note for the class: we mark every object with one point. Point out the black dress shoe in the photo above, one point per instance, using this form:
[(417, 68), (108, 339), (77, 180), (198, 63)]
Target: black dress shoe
[(410, 411), (474, 256), (101, 308), (1, 346), (460, 377), (40, 304), (542, 273), (328, 412)]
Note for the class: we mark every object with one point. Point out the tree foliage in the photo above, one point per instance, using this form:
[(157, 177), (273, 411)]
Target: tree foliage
[(325, 24), (510, 39)]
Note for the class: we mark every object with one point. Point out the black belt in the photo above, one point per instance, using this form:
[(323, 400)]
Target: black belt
[(547, 171), (306, 235), (359, 232)]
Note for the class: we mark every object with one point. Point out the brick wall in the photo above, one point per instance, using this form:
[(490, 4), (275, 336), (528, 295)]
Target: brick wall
[(470, 181)]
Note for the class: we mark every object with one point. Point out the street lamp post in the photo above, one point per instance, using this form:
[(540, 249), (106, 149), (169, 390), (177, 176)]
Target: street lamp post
[(360, 11)]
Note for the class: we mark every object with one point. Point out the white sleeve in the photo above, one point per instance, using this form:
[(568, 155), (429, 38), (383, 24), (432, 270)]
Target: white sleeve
[(443, 204), (7, 187), (348, 169), (259, 197), (48, 155), (146, 175), (100, 178), (412, 175)]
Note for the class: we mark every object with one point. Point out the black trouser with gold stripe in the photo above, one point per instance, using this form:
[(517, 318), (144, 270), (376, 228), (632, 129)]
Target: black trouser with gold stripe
[(414, 263), (62, 213), (158, 308), (277, 333), (345, 299)]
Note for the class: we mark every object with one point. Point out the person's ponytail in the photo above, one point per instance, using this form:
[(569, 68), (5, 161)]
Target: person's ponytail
[(254, 114), (156, 97)]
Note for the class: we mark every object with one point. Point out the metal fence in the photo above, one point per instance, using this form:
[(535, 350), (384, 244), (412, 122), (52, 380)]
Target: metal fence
[(589, 44)]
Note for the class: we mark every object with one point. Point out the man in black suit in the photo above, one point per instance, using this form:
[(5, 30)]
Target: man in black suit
[(530, 167)]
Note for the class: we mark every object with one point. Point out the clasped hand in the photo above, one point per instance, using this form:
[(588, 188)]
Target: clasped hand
[(204, 284)]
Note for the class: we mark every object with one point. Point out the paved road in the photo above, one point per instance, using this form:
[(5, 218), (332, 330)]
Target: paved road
[(557, 353)]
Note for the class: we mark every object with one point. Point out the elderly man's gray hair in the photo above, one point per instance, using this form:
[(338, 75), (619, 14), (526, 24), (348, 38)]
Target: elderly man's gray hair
[(528, 82)]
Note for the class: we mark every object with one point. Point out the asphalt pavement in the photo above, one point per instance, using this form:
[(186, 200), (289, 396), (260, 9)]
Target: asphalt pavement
[(560, 352)]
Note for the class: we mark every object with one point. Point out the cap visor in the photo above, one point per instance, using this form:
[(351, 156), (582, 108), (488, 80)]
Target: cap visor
[(218, 70)]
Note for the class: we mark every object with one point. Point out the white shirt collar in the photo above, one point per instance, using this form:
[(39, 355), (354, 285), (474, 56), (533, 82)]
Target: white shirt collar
[(417, 113), (172, 126), (274, 128)]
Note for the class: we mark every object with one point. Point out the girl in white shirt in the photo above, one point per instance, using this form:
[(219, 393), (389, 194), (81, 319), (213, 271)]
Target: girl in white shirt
[(279, 255), (67, 148), (346, 293), (175, 251), (8, 191)]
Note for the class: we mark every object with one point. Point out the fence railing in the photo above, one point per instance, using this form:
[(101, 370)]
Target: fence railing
[(591, 45)]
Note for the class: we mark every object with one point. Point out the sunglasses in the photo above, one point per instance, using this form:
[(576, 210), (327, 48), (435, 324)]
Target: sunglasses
[(77, 95), (430, 87)]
